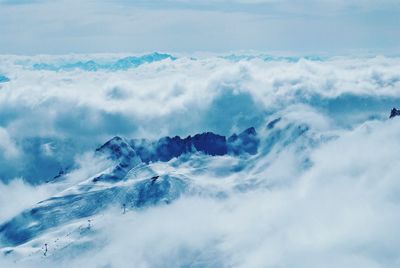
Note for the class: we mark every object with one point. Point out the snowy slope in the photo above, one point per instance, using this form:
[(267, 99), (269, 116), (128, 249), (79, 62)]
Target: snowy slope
[(68, 219)]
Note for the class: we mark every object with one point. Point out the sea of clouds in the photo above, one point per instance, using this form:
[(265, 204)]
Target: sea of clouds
[(341, 210)]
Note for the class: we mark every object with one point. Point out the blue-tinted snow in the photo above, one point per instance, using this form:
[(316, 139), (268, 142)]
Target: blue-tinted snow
[(93, 65)]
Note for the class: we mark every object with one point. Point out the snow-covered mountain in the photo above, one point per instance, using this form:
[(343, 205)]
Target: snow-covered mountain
[(227, 161), (91, 65), (145, 174)]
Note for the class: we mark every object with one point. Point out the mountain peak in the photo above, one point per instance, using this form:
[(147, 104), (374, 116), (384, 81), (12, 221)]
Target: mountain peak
[(119, 150), (394, 112), (166, 148), (246, 142), (116, 148)]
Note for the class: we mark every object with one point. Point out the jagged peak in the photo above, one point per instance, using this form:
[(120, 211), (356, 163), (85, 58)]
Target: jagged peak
[(166, 148), (117, 147), (246, 142), (394, 112), (116, 140), (249, 131)]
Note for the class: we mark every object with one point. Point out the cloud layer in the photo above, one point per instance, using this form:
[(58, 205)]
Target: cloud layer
[(322, 192), (44, 113)]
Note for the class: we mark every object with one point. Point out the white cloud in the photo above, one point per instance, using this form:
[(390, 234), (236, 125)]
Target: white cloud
[(18, 195), (342, 211), (82, 108), (7, 145)]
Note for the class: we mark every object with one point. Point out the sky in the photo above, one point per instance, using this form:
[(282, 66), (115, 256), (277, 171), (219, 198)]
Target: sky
[(325, 183), (276, 26)]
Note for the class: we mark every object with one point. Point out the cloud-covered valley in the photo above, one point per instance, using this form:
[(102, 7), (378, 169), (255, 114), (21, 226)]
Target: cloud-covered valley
[(322, 189)]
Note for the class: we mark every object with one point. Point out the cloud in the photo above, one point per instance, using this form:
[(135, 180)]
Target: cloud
[(7, 145), (18, 195), (324, 184), (343, 211), (74, 111)]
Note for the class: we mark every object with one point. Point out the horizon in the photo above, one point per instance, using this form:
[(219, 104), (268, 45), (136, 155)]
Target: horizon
[(199, 133)]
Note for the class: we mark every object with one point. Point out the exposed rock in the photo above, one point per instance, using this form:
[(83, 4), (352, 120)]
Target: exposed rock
[(166, 148), (394, 112), (245, 142), (272, 124)]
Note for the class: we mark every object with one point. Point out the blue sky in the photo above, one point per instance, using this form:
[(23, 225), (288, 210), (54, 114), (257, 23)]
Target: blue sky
[(281, 26)]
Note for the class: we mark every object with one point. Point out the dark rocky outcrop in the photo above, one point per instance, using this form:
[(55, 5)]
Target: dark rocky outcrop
[(394, 112), (167, 148), (272, 124), (245, 142)]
